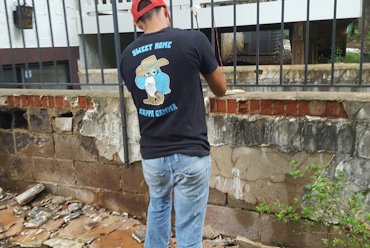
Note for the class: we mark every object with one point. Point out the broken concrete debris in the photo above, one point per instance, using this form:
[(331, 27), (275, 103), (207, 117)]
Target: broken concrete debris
[(71, 216), (45, 221), (38, 217), (91, 223), (29, 194), (60, 222), (139, 235), (74, 207)]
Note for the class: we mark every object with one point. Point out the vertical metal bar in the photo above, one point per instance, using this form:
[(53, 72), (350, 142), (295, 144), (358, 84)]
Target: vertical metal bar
[(14, 72), (1, 73), (191, 15), (258, 44), (56, 76), (68, 43), (135, 32), (117, 42), (84, 42), (363, 32), (282, 40), (38, 43), (100, 47), (213, 25), (307, 43), (171, 9), (333, 43), (25, 55), (234, 42)]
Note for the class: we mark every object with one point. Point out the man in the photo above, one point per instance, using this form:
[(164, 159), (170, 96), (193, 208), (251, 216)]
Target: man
[(161, 69)]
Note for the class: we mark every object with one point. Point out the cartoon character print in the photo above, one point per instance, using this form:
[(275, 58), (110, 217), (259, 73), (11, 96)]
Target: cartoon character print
[(149, 77)]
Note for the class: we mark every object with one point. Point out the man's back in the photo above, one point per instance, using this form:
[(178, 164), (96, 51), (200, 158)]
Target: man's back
[(161, 70)]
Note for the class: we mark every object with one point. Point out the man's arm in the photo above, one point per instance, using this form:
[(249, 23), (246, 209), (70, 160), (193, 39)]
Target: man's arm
[(216, 82)]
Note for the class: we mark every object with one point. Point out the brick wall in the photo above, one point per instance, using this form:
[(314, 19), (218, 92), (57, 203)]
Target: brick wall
[(70, 141), (255, 136), (282, 108), (49, 102)]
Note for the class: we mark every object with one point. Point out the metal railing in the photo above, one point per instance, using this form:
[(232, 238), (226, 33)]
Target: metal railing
[(21, 59)]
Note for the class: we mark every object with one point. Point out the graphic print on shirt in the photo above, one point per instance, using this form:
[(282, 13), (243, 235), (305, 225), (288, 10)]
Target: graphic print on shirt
[(149, 77)]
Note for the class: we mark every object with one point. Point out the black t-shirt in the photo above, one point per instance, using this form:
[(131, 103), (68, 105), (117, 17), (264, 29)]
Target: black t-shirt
[(161, 70)]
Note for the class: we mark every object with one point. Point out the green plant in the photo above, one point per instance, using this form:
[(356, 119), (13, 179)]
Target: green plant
[(328, 203), (351, 57)]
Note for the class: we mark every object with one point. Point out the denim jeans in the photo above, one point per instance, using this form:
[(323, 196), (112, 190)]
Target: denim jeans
[(188, 178)]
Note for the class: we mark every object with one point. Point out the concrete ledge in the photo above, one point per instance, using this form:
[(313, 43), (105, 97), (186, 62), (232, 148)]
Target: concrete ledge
[(235, 94), (67, 93), (298, 95)]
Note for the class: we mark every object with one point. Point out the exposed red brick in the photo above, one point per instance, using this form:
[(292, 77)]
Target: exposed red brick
[(231, 106), (44, 101), (291, 108), (255, 107), (342, 113), (17, 101), (317, 108), (30, 101), (90, 104), (67, 104), (37, 101), (82, 102), (278, 108), (266, 107), (24, 101), (212, 103), (51, 101), (243, 107), (335, 109), (10, 101), (332, 109), (221, 106), (59, 102), (303, 108)]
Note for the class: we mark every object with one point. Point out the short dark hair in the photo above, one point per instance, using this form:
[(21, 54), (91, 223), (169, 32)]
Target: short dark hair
[(148, 14)]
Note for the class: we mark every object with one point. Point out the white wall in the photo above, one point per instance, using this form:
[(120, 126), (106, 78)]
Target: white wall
[(58, 24), (270, 12)]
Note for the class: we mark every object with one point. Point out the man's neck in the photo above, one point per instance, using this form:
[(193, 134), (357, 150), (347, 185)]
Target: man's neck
[(155, 26)]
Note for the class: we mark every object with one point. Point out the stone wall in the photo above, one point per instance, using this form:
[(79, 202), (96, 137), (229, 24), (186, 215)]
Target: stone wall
[(254, 136), (71, 141)]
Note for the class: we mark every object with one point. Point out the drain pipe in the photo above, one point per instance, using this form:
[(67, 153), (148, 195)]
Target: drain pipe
[(117, 42)]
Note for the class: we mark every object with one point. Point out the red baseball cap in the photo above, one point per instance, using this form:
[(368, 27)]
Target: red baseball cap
[(137, 14)]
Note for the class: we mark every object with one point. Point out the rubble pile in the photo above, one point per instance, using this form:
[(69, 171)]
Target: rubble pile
[(38, 219)]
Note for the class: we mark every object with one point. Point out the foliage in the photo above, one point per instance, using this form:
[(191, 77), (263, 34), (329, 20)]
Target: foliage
[(326, 202), (351, 57)]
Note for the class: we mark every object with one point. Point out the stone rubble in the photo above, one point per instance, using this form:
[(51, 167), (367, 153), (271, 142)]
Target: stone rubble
[(62, 222)]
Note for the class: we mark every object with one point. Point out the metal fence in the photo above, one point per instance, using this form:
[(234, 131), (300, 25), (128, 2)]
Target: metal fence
[(51, 58)]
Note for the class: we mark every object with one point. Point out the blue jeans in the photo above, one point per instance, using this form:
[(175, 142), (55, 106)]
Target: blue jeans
[(188, 178)]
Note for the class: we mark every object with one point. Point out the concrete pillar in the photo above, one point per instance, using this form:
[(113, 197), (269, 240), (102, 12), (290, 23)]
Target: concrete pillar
[(367, 26), (227, 41)]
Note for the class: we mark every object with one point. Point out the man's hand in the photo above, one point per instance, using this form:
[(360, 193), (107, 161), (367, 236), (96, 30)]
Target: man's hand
[(216, 82)]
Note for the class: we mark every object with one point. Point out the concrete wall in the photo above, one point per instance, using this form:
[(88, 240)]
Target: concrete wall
[(40, 8), (344, 74), (70, 141)]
